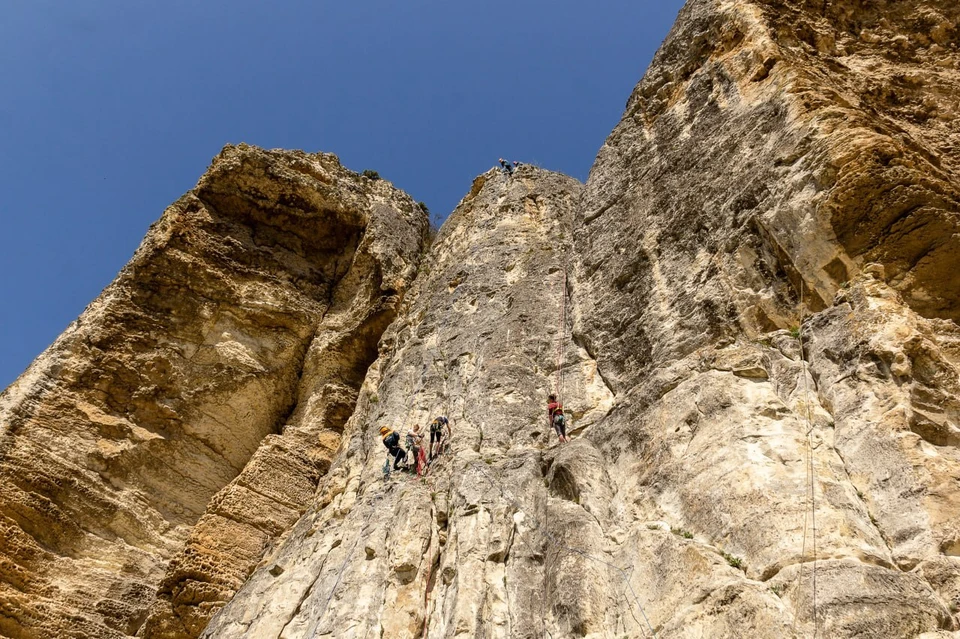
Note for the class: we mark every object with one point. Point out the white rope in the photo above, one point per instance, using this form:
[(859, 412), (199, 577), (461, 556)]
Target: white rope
[(811, 481)]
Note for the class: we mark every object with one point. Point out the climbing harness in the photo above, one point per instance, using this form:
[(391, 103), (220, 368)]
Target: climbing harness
[(811, 479)]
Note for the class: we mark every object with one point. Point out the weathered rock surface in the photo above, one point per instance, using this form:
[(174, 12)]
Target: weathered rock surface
[(467, 550), (772, 151), (739, 474), (190, 411), (750, 310)]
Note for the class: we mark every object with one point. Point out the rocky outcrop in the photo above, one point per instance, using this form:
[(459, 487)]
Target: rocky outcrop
[(192, 408), (770, 408), (750, 311), (465, 550), (761, 277)]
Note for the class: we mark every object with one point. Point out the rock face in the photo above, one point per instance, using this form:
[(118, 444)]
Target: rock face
[(463, 550), (189, 412), (750, 312), (762, 275), (772, 152)]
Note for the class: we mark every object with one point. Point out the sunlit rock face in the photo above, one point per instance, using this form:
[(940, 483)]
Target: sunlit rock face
[(190, 411), (766, 277), (749, 311), (468, 549)]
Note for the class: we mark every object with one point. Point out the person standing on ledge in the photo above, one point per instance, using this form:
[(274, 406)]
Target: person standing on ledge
[(415, 445)]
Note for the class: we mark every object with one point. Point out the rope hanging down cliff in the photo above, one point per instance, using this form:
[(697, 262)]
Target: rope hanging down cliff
[(556, 542), (811, 482), (561, 335)]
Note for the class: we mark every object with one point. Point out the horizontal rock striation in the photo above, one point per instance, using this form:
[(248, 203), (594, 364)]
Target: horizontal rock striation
[(192, 408)]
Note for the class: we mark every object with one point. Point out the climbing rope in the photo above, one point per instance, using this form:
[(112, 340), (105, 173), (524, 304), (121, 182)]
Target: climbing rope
[(556, 542), (561, 334), (346, 561), (811, 480)]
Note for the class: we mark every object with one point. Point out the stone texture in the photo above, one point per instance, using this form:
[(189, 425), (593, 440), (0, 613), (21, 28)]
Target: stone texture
[(161, 425), (755, 175), (750, 309), (467, 550)]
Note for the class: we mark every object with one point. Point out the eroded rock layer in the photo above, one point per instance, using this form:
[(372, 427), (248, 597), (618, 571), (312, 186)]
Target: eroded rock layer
[(467, 550), (192, 408), (750, 311), (774, 150), (762, 277)]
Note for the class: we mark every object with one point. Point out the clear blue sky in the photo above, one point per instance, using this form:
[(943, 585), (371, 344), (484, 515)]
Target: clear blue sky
[(111, 109)]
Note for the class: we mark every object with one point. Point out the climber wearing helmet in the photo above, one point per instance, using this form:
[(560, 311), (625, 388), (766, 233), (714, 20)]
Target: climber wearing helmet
[(507, 168), (392, 441), (556, 417)]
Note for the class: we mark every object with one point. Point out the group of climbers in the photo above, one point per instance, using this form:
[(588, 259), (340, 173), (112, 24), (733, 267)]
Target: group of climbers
[(508, 167), (422, 456), (440, 435)]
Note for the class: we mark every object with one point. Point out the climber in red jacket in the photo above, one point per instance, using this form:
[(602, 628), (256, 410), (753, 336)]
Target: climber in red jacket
[(556, 417)]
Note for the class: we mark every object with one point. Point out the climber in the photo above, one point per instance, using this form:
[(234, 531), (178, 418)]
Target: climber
[(437, 437), (507, 168), (517, 165), (556, 417), (392, 441), (415, 445)]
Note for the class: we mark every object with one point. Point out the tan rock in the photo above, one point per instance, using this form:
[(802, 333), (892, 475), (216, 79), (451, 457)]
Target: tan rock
[(171, 397)]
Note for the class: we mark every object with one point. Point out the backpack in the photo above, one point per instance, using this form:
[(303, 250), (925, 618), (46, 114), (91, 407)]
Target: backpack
[(391, 440)]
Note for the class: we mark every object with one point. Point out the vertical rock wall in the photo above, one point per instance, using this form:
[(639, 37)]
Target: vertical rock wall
[(772, 151), (165, 414), (465, 551), (750, 310)]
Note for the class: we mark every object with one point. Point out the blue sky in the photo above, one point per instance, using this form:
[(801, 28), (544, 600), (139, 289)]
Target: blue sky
[(111, 109)]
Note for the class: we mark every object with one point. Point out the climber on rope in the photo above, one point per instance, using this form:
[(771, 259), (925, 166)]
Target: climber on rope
[(415, 445), (439, 438), (391, 440), (557, 418), (507, 168)]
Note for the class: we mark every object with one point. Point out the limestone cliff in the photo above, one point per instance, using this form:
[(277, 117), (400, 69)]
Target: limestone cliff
[(750, 311), (773, 150), (189, 412), (761, 272), (462, 551)]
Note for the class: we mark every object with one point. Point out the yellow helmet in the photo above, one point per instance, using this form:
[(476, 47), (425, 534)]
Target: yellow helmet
[(384, 430)]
